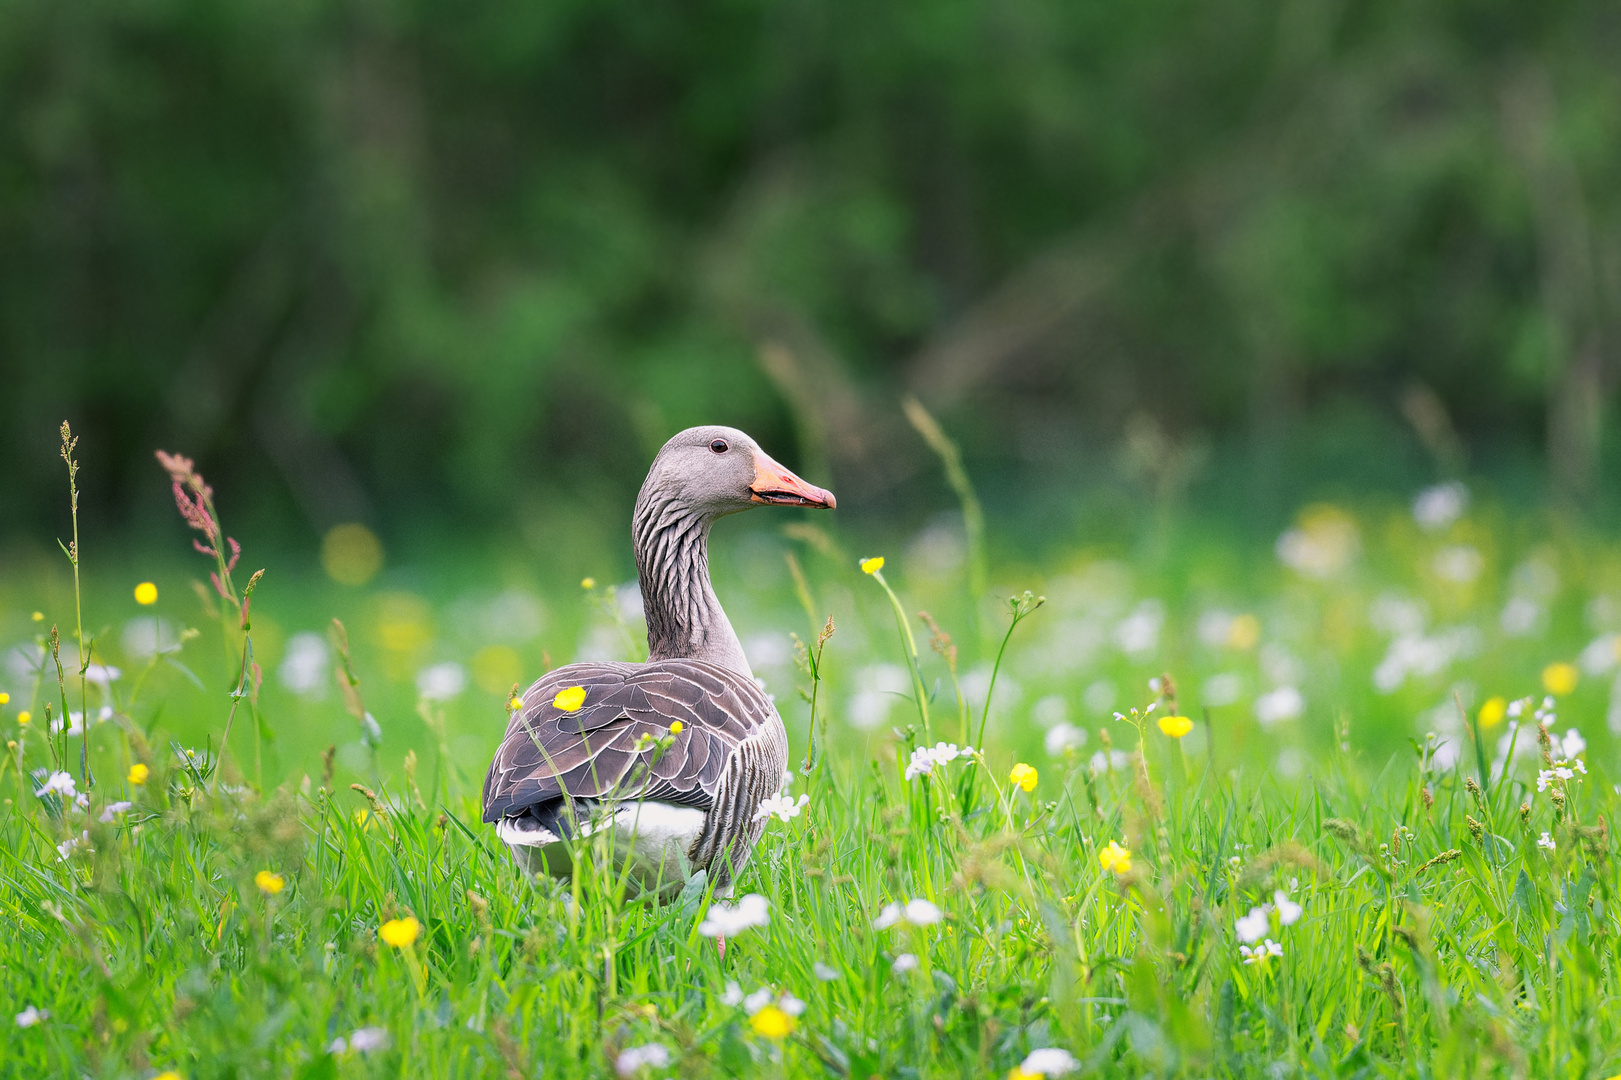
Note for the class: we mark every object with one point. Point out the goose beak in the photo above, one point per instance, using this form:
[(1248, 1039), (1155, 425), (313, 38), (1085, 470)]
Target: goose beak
[(776, 486)]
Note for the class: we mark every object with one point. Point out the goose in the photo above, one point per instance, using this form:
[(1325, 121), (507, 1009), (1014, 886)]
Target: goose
[(673, 756)]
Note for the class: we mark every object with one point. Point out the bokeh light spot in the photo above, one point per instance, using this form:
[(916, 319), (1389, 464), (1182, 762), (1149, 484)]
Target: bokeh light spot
[(351, 554)]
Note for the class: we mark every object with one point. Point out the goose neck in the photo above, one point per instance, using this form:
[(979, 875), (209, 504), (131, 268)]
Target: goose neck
[(684, 617)]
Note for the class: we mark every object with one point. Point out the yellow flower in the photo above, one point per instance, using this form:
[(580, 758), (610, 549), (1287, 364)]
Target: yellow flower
[(138, 773), (772, 1022), (872, 565), (269, 884), (515, 704), (146, 594), (1175, 726), (25, 717), (569, 700), (1115, 858), (1560, 679), (1017, 1073), (169, 1075), (1243, 632), (588, 583), (39, 616), (1024, 776), (5, 698), (677, 727), (400, 933), (1493, 711)]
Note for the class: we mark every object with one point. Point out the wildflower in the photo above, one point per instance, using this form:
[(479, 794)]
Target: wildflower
[(104, 676), (824, 972), (138, 773), (1288, 911), (5, 698), (1048, 1061), (24, 718), (1175, 726), (569, 700), (588, 583), (1261, 953), (913, 912), (1115, 858), (74, 843), (677, 727), (113, 811), (772, 1023), (733, 994), (270, 884), (1572, 743), (1546, 842), (724, 921), (1062, 736), (1560, 678), (634, 1058), (146, 594), (400, 933), (167, 1074), (441, 682), (31, 1016), (1023, 776), (1492, 712), (783, 806), (904, 963), (872, 565), (1284, 703), (38, 616), (925, 758), (59, 783), (1253, 927)]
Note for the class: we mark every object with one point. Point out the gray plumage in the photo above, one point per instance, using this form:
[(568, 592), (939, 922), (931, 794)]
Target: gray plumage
[(561, 773)]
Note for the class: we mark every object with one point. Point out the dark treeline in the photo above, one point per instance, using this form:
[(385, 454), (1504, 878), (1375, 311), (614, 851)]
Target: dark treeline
[(397, 259)]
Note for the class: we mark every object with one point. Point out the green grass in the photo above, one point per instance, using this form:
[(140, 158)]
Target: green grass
[(1423, 949)]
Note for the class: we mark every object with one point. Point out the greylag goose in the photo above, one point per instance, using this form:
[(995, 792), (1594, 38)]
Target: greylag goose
[(674, 756)]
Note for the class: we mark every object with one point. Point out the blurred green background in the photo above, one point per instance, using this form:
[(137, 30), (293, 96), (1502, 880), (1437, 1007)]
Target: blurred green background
[(435, 267), (1166, 272)]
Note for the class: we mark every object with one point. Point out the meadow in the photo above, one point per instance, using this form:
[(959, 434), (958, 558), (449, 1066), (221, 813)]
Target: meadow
[(1333, 804)]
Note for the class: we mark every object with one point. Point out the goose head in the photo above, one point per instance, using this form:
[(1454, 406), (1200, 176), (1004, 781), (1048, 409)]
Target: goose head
[(713, 471)]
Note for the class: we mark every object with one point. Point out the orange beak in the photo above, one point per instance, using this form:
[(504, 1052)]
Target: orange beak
[(776, 486)]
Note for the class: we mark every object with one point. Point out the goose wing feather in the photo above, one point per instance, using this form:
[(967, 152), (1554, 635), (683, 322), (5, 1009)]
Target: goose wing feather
[(590, 752)]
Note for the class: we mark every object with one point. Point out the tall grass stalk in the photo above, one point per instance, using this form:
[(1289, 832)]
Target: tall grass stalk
[(71, 550), (973, 515)]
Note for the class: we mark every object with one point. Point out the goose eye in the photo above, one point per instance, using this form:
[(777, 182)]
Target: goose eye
[(719, 446)]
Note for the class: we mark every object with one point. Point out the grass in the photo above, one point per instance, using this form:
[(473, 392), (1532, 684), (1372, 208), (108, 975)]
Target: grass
[(1435, 936)]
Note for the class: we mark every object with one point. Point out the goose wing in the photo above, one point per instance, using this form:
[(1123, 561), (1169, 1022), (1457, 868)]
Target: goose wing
[(590, 751)]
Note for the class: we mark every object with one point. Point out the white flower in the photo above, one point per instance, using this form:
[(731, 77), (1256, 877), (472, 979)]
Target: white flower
[(58, 783), (1459, 564), (113, 810), (1284, 703), (783, 806), (723, 921), (926, 758), (441, 682), (1572, 744), (1437, 507), (1259, 954), (823, 972), (758, 1000), (915, 912), (307, 667), (366, 1039), (1288, 910), (31, 1016), (732, 995), (102, 675), (1545, 841), (904, 963), (1063, 735), (790, 1004), (1049, 1061), (73, 843), (1253, 927), (633, 1058)]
